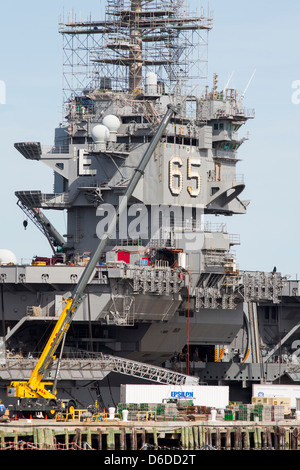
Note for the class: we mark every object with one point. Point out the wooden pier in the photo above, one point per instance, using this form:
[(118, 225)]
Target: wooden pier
[(118, 435)]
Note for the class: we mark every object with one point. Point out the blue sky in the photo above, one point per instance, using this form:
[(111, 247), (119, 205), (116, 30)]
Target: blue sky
[(264, 36), (246, 36)]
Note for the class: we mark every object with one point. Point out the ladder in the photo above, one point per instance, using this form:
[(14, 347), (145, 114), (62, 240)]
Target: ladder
[(147, 371), (151, 114)]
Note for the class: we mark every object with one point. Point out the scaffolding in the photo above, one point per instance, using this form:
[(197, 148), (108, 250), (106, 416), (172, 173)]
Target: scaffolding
[(137, 37)]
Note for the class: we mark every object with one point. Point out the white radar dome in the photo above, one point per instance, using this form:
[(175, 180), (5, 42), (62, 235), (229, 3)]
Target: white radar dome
[(151, 78), (7, 257), (151, 83), (100, 133), (112, 122)]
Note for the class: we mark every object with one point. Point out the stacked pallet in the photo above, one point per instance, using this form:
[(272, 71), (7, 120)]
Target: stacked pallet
[(262, 412), (253, 412), (171, 412), (278, 413), (132, 408), (282, 401), (183, 404), (167, 411), (243, 412), (229, 414)]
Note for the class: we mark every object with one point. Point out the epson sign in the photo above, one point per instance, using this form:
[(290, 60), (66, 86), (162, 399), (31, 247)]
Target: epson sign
[(182, 394)]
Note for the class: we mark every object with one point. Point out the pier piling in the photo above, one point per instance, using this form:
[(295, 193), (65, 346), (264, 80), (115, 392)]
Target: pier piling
[(137, 435)]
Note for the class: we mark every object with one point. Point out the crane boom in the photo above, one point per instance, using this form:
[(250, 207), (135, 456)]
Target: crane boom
[(34, 387)]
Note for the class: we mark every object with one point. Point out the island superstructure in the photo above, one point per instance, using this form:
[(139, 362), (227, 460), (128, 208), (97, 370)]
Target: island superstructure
[(169, 281)]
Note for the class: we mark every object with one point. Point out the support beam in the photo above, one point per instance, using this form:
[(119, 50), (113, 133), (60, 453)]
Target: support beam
[(281, 342)]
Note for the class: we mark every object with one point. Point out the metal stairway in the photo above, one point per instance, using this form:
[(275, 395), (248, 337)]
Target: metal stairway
[(96, 367), (147, 371), (29, 202)]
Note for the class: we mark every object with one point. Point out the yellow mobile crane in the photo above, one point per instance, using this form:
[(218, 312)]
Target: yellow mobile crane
[(35, 394)]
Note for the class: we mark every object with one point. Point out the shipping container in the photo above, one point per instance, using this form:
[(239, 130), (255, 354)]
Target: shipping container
[(270, 391), (201, 395)]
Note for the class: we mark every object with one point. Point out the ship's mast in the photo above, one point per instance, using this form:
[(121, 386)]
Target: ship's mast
[(135, 38), (136, 48)]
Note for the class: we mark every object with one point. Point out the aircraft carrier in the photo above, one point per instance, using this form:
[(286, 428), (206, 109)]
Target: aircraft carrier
[(168, 291)]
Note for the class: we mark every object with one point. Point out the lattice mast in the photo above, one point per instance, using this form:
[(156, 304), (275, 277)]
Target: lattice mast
[(134, 38)]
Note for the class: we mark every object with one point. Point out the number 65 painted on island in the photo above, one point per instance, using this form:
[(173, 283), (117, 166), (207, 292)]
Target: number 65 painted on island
[(175, 173)]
